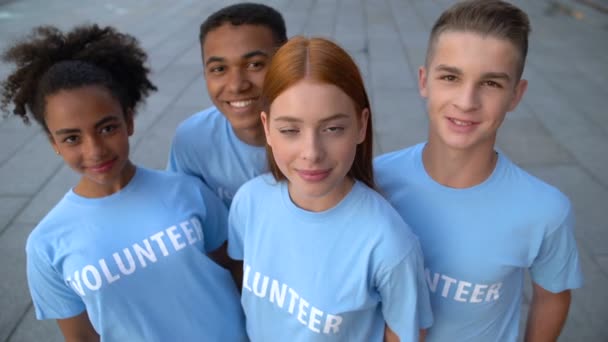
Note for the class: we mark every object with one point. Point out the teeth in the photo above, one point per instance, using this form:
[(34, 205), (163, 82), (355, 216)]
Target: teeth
[(462, 123), (240, 104)]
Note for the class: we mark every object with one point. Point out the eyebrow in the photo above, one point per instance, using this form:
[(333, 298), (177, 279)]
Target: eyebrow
[(487, 75), (496, 75), (447, 68), (248, 55), (329, 118), (101, 122)]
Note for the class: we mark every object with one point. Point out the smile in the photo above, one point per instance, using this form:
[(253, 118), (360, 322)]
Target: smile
[(461, 123), (240, 103), (103, 167), (313, 175)]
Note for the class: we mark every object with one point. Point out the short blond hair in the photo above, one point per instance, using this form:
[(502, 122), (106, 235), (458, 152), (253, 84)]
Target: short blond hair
[(488, 18)]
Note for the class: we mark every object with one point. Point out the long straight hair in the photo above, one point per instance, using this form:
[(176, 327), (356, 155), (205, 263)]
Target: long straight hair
[(320, 60)]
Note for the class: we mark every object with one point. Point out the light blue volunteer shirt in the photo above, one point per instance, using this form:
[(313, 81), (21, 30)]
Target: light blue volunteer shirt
[(136, 262), (478, 241), (206, 147), (336, 275)]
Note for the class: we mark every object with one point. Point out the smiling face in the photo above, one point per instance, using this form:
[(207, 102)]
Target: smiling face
[(313, 130), (235, 60), (89, 130), (470, 83)]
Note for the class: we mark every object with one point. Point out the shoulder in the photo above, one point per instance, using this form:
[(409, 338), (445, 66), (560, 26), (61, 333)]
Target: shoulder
[(535, 188), (396, 158), (204, 121), (394, 170), (261, 186), (548, 202), (168, 181), (403, 160), (392, 239), (385, 219), (43, 235)]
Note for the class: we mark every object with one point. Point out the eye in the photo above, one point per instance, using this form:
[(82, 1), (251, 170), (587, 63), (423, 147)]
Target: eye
[(492, 84), (256, 65), (289, 131), (335, 129), (217, 69), (71, 139), (108, 129), (449, 78)]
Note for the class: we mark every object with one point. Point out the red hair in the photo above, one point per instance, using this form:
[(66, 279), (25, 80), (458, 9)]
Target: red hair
[(320, 60)]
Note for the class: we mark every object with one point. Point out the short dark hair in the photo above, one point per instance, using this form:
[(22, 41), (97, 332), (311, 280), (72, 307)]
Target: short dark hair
[(247, 13), (49, 61), (493, 18)]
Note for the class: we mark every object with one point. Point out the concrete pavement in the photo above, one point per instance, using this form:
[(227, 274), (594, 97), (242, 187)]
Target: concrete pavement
[(559, 132)]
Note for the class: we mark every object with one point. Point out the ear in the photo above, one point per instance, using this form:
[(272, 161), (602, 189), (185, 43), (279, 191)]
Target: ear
[(363, 125), (422, 81), (520, 90), (129, 121), (265, 123), (52, 142)]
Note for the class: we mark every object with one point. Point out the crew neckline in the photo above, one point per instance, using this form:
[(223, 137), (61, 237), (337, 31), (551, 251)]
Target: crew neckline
[(496, 172), (321, 216)]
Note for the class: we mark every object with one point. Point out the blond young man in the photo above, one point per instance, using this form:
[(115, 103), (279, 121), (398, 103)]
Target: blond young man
[(481, 220)]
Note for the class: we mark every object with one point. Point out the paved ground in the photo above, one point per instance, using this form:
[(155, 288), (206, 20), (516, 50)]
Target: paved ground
[(559, 132)]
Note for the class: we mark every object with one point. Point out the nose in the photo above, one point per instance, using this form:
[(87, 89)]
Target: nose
[(467, 98), (93, 148), (238, 81), (313, 149)]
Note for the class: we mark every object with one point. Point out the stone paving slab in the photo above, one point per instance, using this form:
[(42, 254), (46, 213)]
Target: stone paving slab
[(559, 132), (14, 295)]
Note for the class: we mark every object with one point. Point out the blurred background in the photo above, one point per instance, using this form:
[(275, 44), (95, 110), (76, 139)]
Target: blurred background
[(559, 132)]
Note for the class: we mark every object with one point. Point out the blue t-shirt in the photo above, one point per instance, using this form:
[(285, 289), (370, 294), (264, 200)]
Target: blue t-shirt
[(336, 275), (136, 262), (206, 147), (478, 241)]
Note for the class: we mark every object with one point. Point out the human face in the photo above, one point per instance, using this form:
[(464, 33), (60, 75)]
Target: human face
[(236, 60), (470, 84), (88, 128), (313, 130)]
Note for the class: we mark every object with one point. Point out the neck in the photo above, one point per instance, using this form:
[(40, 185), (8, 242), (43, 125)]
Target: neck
[(459, 168), (322, 203), (252, 136), (91, 189)]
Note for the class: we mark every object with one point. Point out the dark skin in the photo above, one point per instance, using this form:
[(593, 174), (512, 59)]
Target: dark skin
[(78, 329), (220, 256), (390, 336)]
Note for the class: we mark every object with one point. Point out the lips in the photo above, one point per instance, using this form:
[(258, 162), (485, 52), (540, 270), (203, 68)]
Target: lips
[(240, 104), (103, 167), (463, 126), (314, 175)]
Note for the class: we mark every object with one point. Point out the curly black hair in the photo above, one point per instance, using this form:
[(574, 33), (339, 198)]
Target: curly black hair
[(49, 61), (246, 13)]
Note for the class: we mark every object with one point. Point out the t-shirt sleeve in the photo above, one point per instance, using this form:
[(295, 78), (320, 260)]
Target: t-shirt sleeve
[(405, 299), (52, 297), (173, 162), (215, 228), (236, 229), (556, 267)]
